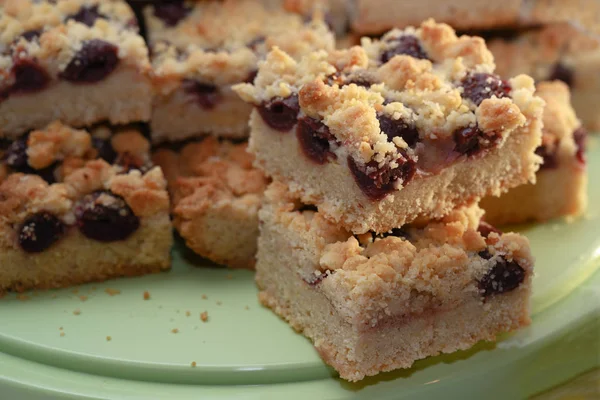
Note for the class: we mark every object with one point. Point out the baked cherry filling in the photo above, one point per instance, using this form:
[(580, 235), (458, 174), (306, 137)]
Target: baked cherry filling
[(87, 15), (561, 72), (92, 63), (104, 149), (40, 231), (29, 77), (314, 138), (105, 217), (406, 44), (280, 114), (16, 158), (206, 95), (485, 229), (472, 140), (478, 87), (171, 11), (398, 128), (376, 183), (580, 138), (503, 277), (549, 155)]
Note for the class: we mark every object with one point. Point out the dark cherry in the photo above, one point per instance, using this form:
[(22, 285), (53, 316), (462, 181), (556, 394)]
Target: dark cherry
[(87, 15), (485, 229), (580, 137), (563, 73), (171, 11), (406, 44), (16, 158), (94, 62), (104, 149), (40, 231), (398, 128), (314, 138), (485, 254), (472, 140), (307, 207), (253, 44), (549, 156), (314, 280), (31, 34), (503, 277), (107, 222), (29, 76), (206, 95), (480, 86), (378, 184), (280, 114)]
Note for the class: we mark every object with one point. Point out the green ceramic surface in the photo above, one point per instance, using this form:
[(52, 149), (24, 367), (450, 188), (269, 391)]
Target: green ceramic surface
[(245, 351)]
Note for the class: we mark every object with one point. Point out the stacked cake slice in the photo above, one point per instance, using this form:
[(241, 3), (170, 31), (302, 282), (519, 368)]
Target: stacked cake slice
[(78, 202), (371, 242)]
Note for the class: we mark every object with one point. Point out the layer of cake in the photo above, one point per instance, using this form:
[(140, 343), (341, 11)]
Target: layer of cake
[(99, 216), (556, 52), (361, 299), (199, 49), (216, 194), (561, 182), (184, 114), (359, 132), (377, 16)]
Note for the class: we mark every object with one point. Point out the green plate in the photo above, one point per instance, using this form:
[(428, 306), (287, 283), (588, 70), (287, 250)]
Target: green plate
[(56, 344)]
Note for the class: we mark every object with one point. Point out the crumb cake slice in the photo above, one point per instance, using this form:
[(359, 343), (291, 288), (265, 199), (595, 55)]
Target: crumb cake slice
[(200, 49), (69, 217), (412, 125), (215, 194), (556, 51), (373, 303), (561, 184), (78, 61), (376, 16)]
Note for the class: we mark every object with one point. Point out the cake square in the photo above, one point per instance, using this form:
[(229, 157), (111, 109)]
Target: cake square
[(77, 61), (413, 125), (69, 217), (561, 182), (200, 49), (556, 52), (373, 303), (215, 195)]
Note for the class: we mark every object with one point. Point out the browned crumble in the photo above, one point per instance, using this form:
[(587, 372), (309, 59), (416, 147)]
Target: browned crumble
[(204, 316), (175, 330), (83, 297), (23, 297), (108, 338), (193, 363), (146, 295), (77, 311), (62, 334)]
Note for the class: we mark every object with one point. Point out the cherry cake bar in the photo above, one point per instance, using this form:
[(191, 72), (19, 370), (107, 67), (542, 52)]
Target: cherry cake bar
[(79, 206), (201, 48), (413, 125), (215, 195), (560, 188), (377, 302), (77, 61)]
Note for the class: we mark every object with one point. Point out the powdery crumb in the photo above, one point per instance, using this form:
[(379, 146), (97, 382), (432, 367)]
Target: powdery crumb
[(146, 295), (193, 363), (204, 316), (112, 292), (77, 312), (188, 313), (62, 334), (204, 297), (108, 338), (174, 330), (23, 297), (83, 297)]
